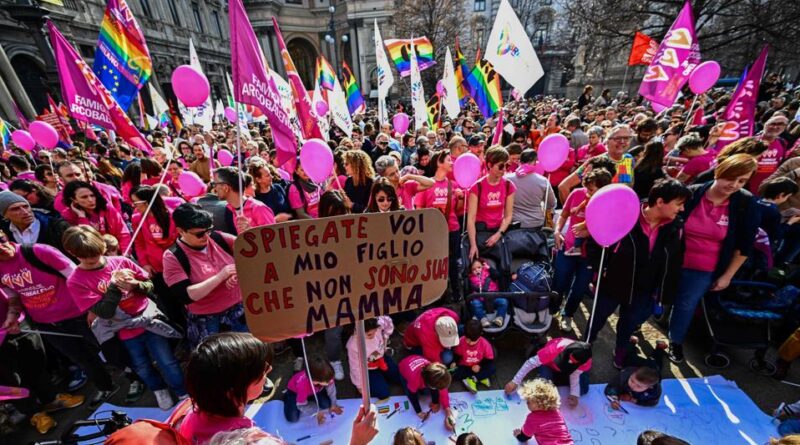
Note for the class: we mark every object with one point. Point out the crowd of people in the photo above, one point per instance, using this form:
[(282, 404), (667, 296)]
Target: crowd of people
[(103, 248)]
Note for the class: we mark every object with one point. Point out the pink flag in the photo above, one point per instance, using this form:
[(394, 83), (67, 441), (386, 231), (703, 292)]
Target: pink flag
[(699, 118), (740, 113), (309, 121), (253, 85), (87, 98), (498, 129), (677, 56), (23, 121)]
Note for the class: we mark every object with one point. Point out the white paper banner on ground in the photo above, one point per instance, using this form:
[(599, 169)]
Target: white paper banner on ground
[(700, 410)]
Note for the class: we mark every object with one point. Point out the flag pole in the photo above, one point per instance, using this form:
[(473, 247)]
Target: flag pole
[(239, 161), (624, 77), (689, 114)]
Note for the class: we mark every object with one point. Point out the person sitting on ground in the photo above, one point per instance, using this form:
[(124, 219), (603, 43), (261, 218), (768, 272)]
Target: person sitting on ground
[(475, 357), (544, 422), (433, 334), (422, 376), (639, 382), (316, 382)]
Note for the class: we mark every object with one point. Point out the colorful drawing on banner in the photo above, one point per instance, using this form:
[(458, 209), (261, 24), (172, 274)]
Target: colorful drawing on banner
[(580, 415), (506, 46), (615, 416)]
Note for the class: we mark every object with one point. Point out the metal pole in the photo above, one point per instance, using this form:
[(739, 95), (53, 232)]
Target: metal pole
[(361, 344), (596, 292), (239, 160), (624, 77), (689, 114)]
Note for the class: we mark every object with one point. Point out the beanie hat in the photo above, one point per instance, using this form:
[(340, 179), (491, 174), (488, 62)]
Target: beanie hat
[(7, 199)]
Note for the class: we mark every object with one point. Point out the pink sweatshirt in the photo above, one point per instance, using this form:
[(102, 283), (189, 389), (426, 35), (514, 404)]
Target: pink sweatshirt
[(151, 242), (257, 212), (411, 370), (301, 385), (112, 196), (422, 332), (108, 221)]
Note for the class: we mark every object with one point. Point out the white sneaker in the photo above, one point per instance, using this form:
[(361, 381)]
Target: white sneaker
[(338, 370), (164, 399), (298, 364), (485, 322), (498, 322), (565, 324)]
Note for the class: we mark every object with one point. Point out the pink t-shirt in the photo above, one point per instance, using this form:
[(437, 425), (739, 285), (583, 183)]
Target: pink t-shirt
[(152, 242), (257, 212), (407, 193), (768, 162), (436, 197), (585, 152), (547, 427), (705, 230), (492, 200), (552, 348), (88, 286), (311, 200), (411, 370), (301, 385), (577, 214), (203, 264), (473, 354), (650, 232), (199, 427), (45, 296), (698, 164)]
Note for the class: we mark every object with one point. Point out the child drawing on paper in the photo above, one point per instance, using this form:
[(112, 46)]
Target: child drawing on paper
[(544, 423)]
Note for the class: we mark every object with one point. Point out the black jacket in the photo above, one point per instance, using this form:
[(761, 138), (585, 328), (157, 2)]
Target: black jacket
[(630, 270), (52, 227), (744, 216)]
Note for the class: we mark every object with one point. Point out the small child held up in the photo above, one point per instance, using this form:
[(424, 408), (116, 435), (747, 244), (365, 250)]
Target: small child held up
[(544, 423), (419, 376), (301, 387), (483, 279), (475, 357), (639, 382)]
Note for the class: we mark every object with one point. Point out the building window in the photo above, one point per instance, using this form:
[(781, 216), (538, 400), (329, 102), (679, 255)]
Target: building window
[(547, 2), (198, 19), (146, 8), (480, 5), (87, 51), (217, 25), (173, 11), (540, 36), (479, 35), (294, 2)]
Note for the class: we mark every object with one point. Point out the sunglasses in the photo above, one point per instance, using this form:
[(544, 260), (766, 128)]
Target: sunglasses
[(384, 143), (385, 199), (136, 203), (470, 128), (201, 233)]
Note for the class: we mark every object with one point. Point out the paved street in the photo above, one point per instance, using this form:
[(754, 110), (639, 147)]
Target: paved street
[(765, 391)]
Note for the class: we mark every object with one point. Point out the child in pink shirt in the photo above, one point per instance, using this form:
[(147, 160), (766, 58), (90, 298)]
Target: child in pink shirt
[(475, 357), (544, 423), (483, 279), (317, 383), (420, 375), (110, 285)]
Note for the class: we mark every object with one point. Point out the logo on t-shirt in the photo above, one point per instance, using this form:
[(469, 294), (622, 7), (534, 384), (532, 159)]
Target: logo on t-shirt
[(18, 280), (493, 199), (156, 231), (723, 221)]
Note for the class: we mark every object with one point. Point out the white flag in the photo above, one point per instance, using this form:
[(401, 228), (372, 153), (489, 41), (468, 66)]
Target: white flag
[(417, 93), (219, 111), (152, 122), (510, 50), (159, 104), (450, 87), (204, 114), (385, 76), (338, 109)]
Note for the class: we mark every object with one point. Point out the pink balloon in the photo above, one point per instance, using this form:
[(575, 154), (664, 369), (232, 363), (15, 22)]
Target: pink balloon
[(316, 159), (44, 134), (657, 107), (611, 213), (467, 170), (191, 184), (321, 107), (553, 151), (704, 76), (225, 157), (191, 86), (230, 114), (400, 122), (23, 139)]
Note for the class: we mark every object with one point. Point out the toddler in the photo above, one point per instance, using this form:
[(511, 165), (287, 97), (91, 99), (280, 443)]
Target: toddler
[(544, 423), (475, 357), (112, 245), (481, 280), (304, 384)]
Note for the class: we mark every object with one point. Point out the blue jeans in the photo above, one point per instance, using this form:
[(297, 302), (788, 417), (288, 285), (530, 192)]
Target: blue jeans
[(147, 347), (630, 316), (290, 409), (573, 275), (201, 326), (558, 378), (379, 379), (478, 310), (692, 286)]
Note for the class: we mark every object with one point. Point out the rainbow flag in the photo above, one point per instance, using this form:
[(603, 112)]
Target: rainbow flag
[(122, 60), (400, 49), (325, 73), (355, 101), (434, 108), (5, 132), (483, 84), (461, 73)]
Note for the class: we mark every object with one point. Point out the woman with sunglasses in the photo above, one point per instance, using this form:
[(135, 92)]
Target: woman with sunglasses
[(490, 204), (86, 205), (200, 272), (383, 197)]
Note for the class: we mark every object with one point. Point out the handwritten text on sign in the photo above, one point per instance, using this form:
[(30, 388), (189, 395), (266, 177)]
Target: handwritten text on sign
[(305, 276)]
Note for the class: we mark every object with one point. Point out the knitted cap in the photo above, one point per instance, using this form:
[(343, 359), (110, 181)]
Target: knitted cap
[(7, 199)]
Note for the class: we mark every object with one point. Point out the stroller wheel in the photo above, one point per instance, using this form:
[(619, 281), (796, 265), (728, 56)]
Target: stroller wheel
[(717, 360), (762, 367)]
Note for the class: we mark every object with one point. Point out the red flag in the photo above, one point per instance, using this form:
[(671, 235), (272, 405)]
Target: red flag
[(643, 50), (699, 117)]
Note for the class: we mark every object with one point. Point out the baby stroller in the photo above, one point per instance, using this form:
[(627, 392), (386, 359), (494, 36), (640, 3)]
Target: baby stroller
[(499, 261), (742, 317)]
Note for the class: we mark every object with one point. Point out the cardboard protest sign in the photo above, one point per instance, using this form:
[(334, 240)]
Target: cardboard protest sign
[(304, 276)]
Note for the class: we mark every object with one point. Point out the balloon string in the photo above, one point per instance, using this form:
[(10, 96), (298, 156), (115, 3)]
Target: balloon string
[(308, 370)]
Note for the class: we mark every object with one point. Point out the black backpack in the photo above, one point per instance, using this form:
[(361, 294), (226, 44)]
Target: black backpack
[(183, 260), (30, 257)]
